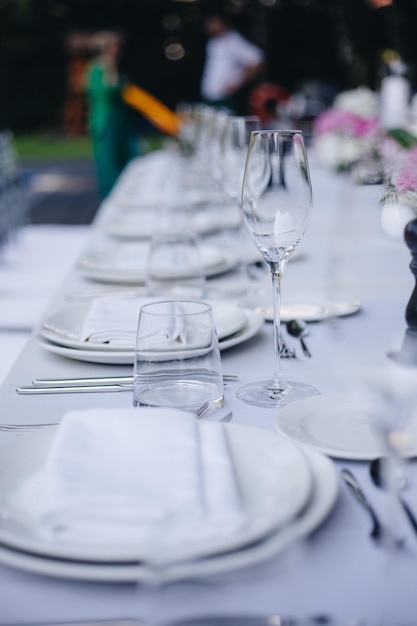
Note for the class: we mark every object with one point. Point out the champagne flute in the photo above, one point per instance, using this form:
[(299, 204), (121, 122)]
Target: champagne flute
[(233, 150), (234, 147), (276, 206)]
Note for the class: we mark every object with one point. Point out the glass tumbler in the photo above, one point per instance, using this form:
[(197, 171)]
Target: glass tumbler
[(177, 356)]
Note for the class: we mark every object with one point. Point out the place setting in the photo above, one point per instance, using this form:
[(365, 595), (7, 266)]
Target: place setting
[(125, 263), (142, 222), (162, 179), (169, 489), (103, 330), (51, 523)]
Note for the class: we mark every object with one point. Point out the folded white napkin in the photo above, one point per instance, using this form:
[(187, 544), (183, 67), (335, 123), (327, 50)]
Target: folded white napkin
[(148, 181), (153, 480), (114, 321)]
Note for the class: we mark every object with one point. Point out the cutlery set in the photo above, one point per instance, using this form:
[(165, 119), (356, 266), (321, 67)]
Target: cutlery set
[(86, 385), (297, 329), (376, 470), (219, 620), (204, 411), (380, 533)]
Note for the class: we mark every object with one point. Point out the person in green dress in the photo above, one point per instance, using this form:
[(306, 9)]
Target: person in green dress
[(111, 123)]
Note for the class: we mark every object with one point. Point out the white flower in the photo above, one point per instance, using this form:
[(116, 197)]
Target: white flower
[(338, 152), (361, 101)]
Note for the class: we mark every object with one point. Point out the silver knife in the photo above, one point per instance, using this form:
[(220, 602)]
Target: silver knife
[(33, 389), (379, 532), (78, 382), (232, 620), (96, 380)]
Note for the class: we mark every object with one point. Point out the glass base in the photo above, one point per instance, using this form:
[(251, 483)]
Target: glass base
[(180, 394), (262, 394)]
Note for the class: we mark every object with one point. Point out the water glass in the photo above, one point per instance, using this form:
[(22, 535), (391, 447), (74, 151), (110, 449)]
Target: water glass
[(175, 267), (177, 356)]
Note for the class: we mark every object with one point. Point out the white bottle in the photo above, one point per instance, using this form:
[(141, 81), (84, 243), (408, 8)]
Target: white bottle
[(395, 93)]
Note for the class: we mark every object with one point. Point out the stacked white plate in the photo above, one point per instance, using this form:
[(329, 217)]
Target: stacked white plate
[(63, 331), (287, 492), (125, 263), (143, 224)]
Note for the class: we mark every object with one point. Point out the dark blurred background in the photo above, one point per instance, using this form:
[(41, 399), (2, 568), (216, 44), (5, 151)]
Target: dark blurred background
[(44, 47)]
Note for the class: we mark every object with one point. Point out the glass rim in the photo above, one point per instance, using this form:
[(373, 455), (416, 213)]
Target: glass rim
[(270, 131), (205, 308), (249, 118)]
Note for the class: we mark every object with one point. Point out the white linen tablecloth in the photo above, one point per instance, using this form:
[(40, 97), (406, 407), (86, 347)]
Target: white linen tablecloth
[(338, 571), (32, 269)]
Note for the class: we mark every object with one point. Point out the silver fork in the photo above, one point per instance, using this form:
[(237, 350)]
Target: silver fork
[(285, 352), (9, 428), (206, 409)]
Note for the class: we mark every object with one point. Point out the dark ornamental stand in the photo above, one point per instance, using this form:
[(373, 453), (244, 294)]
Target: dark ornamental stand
[(407, 356), (410, 236)]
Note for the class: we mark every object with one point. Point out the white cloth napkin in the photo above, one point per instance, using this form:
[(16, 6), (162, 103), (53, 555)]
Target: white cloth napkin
[(114, 321), (156, 481), (148, 181)]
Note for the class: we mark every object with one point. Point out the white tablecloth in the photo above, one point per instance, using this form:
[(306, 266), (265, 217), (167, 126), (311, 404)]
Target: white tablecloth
[(338, 571), (32, 269)]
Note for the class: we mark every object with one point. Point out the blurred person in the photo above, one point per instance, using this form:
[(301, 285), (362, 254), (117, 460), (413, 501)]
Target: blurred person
[(111, 123), (232, 63)]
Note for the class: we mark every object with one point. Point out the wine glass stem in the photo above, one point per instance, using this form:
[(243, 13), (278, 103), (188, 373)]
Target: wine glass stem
[(277, 381)]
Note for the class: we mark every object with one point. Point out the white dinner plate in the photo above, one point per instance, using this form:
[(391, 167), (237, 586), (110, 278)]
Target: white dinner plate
[(260, 461), (144, 224), (324, 495), (337, 424), (308, 310), (65, 326), (125, 263), (316, 311), (254, 322)]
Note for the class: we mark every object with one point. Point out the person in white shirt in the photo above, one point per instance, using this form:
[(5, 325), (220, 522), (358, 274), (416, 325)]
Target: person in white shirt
[(232, 62)]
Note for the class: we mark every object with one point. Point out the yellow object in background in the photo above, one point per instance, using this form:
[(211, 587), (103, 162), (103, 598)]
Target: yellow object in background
[(153, 109)]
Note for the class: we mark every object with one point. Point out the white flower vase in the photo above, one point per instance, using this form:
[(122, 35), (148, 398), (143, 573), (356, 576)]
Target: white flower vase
[(394, 218)]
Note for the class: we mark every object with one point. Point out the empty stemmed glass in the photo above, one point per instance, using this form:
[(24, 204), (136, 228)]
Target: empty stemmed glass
[(233, 150), (276, 205), (234, 147)]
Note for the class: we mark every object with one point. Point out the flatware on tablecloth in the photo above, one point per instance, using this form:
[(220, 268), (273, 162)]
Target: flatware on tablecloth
[(96, 380), (216, 620), (207, 409), (26, 390), (86, 385), (376, 470), (298, 329), (379, 532)]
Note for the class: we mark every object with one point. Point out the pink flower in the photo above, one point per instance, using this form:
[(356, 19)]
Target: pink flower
[(345, 122), (405, 177)]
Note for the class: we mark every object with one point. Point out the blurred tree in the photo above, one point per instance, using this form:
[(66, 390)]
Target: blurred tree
[(32, 62)]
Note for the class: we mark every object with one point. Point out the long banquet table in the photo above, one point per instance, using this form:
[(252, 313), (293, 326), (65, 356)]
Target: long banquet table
[(337, 571)]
